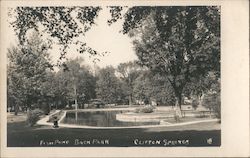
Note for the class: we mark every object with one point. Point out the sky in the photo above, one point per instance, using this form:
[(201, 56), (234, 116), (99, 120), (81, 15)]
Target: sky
[(107, 38), (100, 37)]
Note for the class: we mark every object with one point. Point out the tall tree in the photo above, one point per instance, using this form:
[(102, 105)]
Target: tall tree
[(27, 71), (128, 73), (142, 88), (76, 83), (161, 90), (108, 86), (181, 43), (202, 85), (153, 87)]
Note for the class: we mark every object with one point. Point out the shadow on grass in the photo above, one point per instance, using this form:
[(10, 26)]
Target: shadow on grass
[(21, 135)]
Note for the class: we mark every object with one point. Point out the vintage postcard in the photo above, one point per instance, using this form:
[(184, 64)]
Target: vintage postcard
[(124, 78)]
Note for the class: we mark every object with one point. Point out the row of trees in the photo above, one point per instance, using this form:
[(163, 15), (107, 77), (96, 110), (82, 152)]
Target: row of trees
[(32, 81), (179, 43)]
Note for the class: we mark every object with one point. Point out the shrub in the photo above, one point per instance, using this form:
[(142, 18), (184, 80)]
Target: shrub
[(46, 109), (33, 116), (42, 106), (212, 102), (145, 109), (195, 103)]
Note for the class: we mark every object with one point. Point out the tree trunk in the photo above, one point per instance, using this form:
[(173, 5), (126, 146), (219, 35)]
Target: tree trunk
[(178, 113), (201, 96), (130, 91), (16, 109), (130, 99)]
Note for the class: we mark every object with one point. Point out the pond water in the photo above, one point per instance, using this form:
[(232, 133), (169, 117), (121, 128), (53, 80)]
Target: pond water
[(100, 119)]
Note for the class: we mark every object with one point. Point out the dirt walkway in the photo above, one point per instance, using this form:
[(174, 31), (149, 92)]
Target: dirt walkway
[(11, 117)]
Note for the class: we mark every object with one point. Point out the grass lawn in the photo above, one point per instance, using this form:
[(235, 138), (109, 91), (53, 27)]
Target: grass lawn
[(21, 135), (187, 119)]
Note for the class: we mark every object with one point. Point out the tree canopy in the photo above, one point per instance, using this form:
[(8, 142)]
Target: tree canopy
[(65, 25), (179, 42), (75, 83), (108, 86), (27, 70), (180, 45), (128, 72)]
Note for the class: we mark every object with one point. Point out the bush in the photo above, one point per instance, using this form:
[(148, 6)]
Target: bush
[(195, 103), (46, 110), (145, 109), (212, 102), (33, 116), (42, 106)]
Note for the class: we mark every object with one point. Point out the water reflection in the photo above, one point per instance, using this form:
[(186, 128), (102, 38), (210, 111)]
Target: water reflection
[(100, 119)]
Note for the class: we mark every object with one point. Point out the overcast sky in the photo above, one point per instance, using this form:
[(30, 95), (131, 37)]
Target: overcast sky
[(107, 38)]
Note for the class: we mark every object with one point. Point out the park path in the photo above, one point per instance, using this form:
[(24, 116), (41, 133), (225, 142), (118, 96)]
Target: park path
[(44, 120)]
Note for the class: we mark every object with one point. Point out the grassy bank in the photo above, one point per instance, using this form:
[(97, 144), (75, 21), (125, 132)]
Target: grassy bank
[(21, 135)]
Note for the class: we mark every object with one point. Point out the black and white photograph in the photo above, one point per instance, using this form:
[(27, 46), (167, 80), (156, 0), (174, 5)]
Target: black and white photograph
[(109, 75)]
